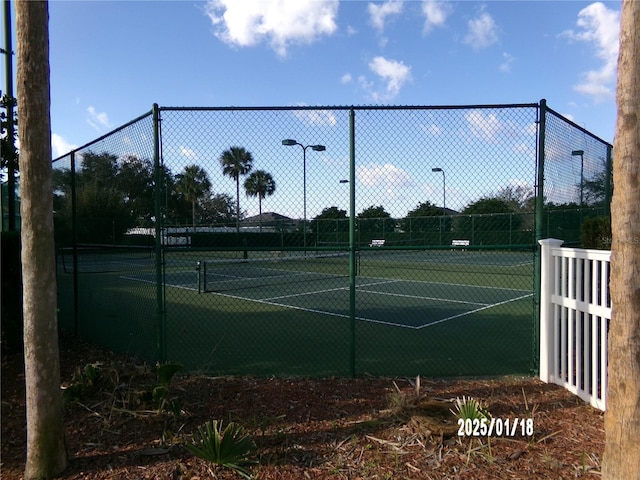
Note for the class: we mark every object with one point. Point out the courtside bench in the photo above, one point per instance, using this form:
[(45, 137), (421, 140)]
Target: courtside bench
[(460, 243)]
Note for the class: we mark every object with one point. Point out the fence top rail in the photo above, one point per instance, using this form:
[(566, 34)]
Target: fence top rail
[(352, 107), (578, 127), (106, 135), (588, 254)]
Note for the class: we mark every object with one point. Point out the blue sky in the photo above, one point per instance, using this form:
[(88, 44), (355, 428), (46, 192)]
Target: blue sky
[(110, 61)]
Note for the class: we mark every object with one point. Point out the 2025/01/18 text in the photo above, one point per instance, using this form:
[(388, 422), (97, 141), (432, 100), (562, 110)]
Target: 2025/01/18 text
[(498, 427)]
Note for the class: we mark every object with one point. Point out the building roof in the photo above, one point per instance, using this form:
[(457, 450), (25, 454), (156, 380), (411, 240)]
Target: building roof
[(267, 218)]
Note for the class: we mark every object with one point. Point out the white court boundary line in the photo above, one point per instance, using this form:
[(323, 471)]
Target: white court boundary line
[(302, 294), (269, 301)]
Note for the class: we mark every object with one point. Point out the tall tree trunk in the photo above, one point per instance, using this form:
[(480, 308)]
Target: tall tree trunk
[(46, 452), (622, 419)]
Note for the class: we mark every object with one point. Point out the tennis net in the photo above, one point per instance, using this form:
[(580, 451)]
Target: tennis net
[(279, 268)]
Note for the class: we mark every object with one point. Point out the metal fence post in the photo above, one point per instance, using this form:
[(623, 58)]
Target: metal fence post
[(74, 239), (539, 189), (607, 182), (352, 242), (158, 175)]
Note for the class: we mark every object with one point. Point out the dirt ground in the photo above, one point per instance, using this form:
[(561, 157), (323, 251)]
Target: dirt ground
[(304, 428)]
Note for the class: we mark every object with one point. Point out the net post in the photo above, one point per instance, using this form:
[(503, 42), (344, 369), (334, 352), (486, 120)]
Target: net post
[(204, 276), (198, 275)]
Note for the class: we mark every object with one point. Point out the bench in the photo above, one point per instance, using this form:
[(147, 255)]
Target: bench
[(377, 243), (460, 243)]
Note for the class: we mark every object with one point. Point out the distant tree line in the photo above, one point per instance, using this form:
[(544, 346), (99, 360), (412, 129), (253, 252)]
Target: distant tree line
[(114, 194)]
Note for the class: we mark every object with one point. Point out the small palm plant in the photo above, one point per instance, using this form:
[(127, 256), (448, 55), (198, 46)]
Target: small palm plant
[(230, 448), (470, 409)]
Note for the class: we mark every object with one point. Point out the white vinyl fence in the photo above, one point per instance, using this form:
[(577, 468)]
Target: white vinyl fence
[(575, 309)]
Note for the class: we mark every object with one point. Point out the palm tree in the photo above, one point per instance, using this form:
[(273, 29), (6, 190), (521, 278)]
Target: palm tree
[(46, 452), (235, 162), (192, 184), (622, 418), (260, 184)]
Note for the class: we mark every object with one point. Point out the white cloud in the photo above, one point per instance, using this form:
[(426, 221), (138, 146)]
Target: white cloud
[(482, 33), (394, 73), (98, 120), (431, 129), (316, 117), (508, 60), (279, 22), (378, 13), (386, 175), (435, 14), (60, 146), (188, 153), (600, 27), (484, 126), (346, 78)]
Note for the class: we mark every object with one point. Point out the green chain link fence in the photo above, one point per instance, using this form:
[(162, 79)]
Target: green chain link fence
[(322, 240)]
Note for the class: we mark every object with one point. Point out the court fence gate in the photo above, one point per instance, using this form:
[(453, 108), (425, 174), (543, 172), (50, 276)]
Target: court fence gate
[(322, 241)]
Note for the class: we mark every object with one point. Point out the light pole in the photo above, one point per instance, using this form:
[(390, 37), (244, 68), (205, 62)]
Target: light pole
[(580, 153), (444, 191), (444, 200), (317, 148)]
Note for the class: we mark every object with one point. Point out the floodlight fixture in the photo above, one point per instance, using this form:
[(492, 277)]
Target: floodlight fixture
[(289, 142)]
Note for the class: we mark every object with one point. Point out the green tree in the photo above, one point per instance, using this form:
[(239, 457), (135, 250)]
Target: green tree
[(112, 195), (8, 150), (331, 220), (375, 221), (236, 161), (135, 180), (46, 452), (595, 189), (218, 209), (489, 220), (426, 218), (520, 197), (260, 184), (194, 185)]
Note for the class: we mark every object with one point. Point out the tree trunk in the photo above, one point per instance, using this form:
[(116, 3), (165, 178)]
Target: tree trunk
[(622, 419), (46, 452)]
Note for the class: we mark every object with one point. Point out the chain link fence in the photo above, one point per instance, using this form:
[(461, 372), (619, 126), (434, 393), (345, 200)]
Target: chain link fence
[(322, 240)]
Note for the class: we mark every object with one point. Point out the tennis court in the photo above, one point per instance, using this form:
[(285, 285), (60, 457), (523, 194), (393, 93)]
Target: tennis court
[(418, 284)]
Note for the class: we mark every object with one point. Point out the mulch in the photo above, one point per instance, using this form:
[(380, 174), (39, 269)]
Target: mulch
[(305, 428)]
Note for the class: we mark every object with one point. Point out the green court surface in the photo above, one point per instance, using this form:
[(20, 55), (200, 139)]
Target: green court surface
[(427, 303), (435, 313)]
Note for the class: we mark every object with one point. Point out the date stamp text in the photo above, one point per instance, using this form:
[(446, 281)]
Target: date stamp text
[(495, 427)]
